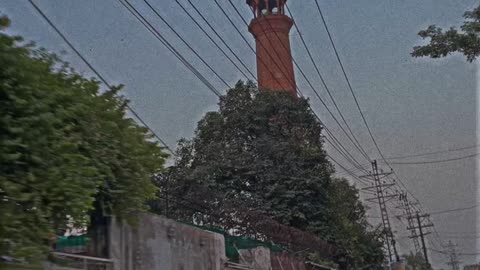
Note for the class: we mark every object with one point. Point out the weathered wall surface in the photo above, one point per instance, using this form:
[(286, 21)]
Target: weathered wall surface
[(262, 258), (158, 243), (257, 258), (285, 261)]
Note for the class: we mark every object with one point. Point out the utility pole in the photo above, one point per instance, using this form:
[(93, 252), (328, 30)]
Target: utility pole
[(379, 187), (454, 262), (406, 206), (421, 233), (422, 237)]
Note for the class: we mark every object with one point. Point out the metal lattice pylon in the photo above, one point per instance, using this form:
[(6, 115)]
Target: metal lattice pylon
[(379, 187)]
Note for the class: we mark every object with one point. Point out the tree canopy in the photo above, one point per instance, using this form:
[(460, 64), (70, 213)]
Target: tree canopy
[(443, 43), (263, 151), (65, 146)]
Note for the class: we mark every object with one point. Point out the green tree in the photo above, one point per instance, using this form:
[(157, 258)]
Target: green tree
[(443, 43), (349, 228), (263, 150), (64, 147), (416, 262)]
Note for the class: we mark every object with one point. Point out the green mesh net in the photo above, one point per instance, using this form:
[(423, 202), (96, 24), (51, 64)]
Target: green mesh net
[(72, 244), (235, 243)]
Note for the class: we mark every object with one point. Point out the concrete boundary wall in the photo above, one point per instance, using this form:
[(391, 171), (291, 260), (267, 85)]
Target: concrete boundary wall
[(262, 258), (158, 243)]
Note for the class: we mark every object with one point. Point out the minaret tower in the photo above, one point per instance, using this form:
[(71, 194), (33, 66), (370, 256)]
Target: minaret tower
[(271, 27)]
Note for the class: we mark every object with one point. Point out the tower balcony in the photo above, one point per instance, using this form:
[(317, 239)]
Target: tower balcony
[(267, 7)]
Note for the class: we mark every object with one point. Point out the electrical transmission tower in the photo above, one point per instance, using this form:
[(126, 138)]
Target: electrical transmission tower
[(379, 187), (406, 205), (420, 226), (454, 262)]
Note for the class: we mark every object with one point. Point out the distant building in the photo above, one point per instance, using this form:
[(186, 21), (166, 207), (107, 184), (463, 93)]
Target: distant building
[(472, 267)]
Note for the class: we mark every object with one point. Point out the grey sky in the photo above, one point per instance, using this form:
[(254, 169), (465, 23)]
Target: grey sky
[(412, 105)]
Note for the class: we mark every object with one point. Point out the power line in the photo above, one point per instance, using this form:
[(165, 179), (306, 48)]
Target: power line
[(108, 84), (437, 235), (169, 46), (435, 161), (455, 232), (217, 34), (158, 33), (433, 153), (245, 224), (339, 174), (302, 73), (184, 42), (432, 243), (356, 163), (238, 31), (261, 44), (355, 98), (212, 27), (156, 13), (366, 183), (357, 103), (212, 40), (439, 251), (341, 148), (326, 86), (462, 254), (406, 206), (472, 237), (468, 254), (248, 44), (381, 196), (44, 16), (454, 210), (348, 80), (418, 208)]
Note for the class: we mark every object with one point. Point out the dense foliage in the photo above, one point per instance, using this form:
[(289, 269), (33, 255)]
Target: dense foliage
[(349, 228), (64, 146), (416, 262), (264, 151), (443, 43)]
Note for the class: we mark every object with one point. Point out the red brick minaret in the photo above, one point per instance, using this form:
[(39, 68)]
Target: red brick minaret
[(271, 28)]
